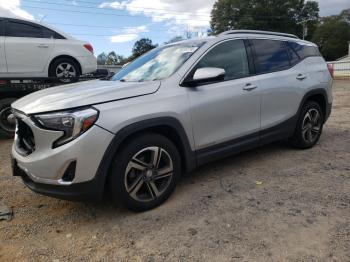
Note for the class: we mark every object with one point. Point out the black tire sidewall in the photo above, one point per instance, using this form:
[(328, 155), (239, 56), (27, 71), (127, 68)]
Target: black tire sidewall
[(121, 160), (52, 69), (298, 139), (5, 103)]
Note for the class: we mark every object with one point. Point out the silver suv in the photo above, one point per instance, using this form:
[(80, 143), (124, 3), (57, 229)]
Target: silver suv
[(171, 110)]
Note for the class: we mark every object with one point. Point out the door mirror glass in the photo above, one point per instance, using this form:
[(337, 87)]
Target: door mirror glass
[(208, 74)]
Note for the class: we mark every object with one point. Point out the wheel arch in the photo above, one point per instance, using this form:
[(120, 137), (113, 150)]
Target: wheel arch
[(320, 96), (63, 56), (166, 126)]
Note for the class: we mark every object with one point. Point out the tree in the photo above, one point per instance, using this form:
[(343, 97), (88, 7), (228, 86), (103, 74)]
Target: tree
[(142, 46), (101, 59), (345, 14), (114, 59), (270, 15), (332, 37)]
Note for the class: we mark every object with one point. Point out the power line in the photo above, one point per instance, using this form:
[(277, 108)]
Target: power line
[(164, 11), (160, 9), (143, 7), (127, 15), (100, 26), (97, 13)]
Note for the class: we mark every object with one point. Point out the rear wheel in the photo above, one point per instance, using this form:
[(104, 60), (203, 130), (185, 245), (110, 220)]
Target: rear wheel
[(64, 69), (309, 126), (145, 172), (7, 119)]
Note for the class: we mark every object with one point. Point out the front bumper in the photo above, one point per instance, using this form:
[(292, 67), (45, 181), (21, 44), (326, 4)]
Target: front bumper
[(87, 191), (44, 170)]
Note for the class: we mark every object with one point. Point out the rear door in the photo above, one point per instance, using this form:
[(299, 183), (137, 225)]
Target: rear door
[(27, 50), (3, 68), (281, 79)]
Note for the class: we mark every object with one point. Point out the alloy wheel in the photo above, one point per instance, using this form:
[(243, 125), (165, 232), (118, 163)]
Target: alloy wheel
[(65, 70), (312, 125), (148, 174)]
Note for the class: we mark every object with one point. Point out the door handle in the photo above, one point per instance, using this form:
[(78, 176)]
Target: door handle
[(301, 77), (43, 46), (249, 87)]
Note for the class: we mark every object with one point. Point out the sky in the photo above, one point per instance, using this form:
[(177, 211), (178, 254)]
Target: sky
[(111, 25)]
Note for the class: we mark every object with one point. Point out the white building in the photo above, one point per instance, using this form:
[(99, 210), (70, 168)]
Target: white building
[(345, 58)]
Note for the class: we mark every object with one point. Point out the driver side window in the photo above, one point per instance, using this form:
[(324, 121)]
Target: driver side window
[(229, 55)]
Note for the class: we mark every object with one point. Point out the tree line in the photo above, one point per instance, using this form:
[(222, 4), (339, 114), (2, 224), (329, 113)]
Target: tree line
[(140, 47), (298, 17)]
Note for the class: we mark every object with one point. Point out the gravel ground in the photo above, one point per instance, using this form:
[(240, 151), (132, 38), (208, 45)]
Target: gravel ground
[(274, 203)]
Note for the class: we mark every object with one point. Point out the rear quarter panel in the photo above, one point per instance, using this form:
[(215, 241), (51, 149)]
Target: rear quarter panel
[(76, 49), (317, 70)]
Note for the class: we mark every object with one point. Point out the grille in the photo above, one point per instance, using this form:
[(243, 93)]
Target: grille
[(25, 138)]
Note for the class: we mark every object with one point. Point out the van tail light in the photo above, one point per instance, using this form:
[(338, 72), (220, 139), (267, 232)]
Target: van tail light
[(331, 69), (89, 47)]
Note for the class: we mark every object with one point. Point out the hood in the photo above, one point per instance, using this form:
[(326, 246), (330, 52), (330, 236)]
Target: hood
[(82, 94)]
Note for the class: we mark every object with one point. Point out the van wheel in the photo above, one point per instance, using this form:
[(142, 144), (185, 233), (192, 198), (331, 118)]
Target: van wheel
[(7, 119), (64, 69), (145, 172), (309, 126)]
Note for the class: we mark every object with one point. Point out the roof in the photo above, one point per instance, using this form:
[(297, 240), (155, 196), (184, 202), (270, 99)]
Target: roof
[(9, 15), (252, 34)]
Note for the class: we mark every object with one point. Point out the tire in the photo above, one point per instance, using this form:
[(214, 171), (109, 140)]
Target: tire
[(7, 129), (309, 126), (65, 68), (133, 183)]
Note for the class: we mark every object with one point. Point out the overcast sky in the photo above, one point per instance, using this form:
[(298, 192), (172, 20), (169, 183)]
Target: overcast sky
[(116, 25)]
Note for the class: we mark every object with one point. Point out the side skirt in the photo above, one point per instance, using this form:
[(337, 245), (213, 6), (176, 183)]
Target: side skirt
[(279, 132)]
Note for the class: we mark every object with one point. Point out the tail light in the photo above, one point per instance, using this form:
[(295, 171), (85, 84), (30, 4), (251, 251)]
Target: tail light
[(331, 69), (89, 47)]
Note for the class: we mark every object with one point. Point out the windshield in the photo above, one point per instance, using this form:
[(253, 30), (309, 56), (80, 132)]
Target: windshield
[(158, 63)]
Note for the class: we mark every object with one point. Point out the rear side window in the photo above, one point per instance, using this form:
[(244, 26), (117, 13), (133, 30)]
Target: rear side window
[(293, 57), (48, 33), (23, 29), (2, 27), (270, 56), (229, 55), (304, 51)]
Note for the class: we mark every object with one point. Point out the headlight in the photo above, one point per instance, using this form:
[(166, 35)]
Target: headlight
[(72, 123)]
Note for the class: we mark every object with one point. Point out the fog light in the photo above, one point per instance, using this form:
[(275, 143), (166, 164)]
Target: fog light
[(70, 172)]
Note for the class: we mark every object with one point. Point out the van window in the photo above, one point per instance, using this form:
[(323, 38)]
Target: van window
[(23, 29), (270, 56), (229, 55)]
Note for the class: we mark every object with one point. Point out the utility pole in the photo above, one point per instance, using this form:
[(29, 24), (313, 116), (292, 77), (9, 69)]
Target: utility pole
[(304, 24)]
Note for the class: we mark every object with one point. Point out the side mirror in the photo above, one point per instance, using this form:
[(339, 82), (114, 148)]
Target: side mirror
[(206, 75)]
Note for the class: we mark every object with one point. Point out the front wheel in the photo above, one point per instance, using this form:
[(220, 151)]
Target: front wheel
[(309, 126), (7, 119), (145, 172)]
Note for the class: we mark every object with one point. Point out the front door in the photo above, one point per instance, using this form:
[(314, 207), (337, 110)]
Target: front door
[(229, 109)]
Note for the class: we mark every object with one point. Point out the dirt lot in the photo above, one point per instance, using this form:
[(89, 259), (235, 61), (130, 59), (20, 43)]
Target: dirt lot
[(300, 212)]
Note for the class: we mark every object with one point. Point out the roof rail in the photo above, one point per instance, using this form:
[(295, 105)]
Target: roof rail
[(257, 32)]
